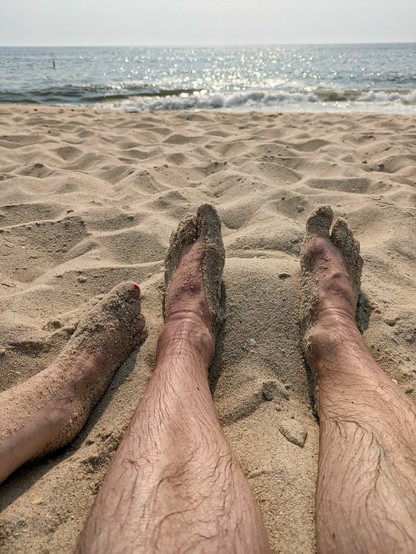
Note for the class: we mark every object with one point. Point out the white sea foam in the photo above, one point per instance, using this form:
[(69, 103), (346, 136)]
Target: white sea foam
[(262, 100)]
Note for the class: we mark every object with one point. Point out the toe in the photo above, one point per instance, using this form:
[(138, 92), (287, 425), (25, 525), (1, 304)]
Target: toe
[(208, 220), (340, 234), (186, 233), (209, 224), (209, 228), (127, 289), (343, 239), (319, 221)]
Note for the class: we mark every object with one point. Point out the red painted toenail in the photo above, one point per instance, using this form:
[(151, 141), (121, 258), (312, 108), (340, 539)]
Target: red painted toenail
[(136, 287)]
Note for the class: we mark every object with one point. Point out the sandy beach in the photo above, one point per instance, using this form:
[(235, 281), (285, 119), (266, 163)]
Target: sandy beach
[(89, 198)]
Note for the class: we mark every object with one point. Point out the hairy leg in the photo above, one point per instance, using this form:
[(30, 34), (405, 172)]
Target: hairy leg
[(174, 485), (366, 491), (47, 411)]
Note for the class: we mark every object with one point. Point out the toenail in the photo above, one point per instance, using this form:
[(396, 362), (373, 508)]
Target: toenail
[(136, 287)]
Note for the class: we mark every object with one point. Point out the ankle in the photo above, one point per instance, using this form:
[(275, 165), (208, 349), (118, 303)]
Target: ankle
[(333, 334), (185, 334), (342, 317)]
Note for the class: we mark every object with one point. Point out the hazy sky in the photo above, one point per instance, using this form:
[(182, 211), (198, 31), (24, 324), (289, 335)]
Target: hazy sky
[(196, 22)]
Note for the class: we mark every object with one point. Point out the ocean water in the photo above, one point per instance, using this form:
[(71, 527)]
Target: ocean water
[(348, 78)]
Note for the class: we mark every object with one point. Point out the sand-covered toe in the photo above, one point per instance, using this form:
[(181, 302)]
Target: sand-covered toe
[(317, 225), (343, 239), (118, 314), (186, 233), (319, 222), (207, 225)]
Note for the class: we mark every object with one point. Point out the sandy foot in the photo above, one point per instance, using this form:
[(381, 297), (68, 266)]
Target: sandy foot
[(47, 411), (331, 268), (193, 269)]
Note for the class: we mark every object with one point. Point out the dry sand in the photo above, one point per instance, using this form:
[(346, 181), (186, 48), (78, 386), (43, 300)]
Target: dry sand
[(89, 198)]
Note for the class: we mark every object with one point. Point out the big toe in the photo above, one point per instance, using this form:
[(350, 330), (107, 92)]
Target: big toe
[(127, 290), (186, 233), (319, 222), (208, 219), (343, 239), (209, 228)]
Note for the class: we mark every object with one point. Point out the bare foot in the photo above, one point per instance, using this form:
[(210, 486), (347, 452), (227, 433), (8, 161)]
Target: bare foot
[(193, 281), (47, 411), (367, 424), (331, 274)]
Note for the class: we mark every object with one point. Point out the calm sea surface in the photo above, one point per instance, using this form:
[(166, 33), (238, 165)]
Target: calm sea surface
[(363, 78)]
